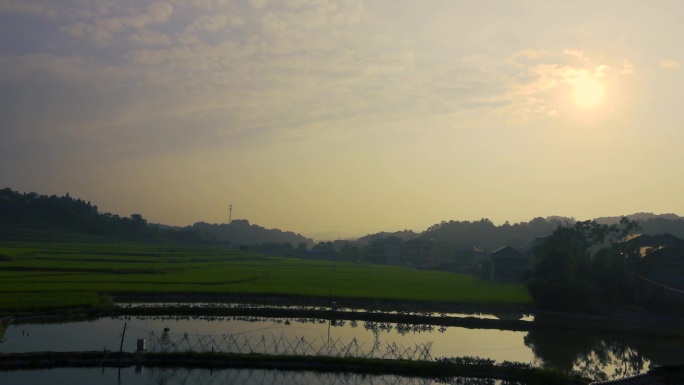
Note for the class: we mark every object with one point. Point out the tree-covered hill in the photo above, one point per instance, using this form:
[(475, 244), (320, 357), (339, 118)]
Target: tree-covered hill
[(482, 233), (485, 234), (652, 223), (21, 213), (241, 232), (54, 213)]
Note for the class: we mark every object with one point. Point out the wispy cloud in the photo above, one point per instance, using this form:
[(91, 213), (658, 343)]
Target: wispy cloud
[(670, 64), (576, 54), (627, 68), (148, 37), (102, 30), (285, 81)]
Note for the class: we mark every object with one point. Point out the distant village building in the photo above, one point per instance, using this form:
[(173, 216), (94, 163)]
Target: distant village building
[(508, 265), (470, 257), (386, 251), (660, 274), (420, 252), (340, 243), (648, 243)]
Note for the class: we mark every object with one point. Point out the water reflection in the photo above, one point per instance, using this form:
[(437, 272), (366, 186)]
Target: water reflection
[(285, 344), (4, 322), (229, 305), (105, 334), (595, 355), (172, 376), (602, 356), (476, 381)]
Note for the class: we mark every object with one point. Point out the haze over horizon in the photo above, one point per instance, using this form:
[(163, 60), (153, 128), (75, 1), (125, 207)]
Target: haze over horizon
[(345, 116)]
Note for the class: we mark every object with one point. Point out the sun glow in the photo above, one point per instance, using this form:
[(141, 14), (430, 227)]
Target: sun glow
[(588, 91)]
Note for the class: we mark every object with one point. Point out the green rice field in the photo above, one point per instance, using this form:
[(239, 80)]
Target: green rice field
[(39, 276)]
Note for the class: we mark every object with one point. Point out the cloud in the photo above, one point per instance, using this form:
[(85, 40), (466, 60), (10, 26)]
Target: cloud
[(670, 64), (48, 10), (101, 30), (599, 72), (156, 13), (528, 54), (273, 23), (539, 85), (315, 18), (71, 68), (577, 54), (390, 63), (258, 4), (627, 68), (147, 37), (214, 23)]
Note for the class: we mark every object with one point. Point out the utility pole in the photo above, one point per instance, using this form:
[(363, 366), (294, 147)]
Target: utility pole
[(122, 338)]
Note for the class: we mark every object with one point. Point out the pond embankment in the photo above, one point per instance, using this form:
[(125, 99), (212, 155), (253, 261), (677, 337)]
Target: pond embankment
[(414, 313)]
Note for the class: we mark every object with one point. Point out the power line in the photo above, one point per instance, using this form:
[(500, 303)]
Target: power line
[(661, 285)]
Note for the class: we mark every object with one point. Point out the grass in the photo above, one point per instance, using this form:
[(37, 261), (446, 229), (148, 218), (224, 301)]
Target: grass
[(38, 276)]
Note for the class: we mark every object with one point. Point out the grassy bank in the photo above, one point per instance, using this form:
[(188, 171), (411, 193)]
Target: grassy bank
[(37, 276)]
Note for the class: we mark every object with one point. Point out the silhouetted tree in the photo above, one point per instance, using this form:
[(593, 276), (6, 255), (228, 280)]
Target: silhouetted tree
[(572, 267)]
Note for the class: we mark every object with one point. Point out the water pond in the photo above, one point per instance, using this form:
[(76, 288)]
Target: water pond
[(273, 336), (172, 376), (595, 355)]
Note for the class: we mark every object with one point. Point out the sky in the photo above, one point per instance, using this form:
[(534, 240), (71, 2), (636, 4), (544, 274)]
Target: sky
[(345, 117)]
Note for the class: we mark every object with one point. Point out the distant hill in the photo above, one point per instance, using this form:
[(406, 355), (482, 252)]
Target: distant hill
[(483, 233), (641, 217), (23, 214), (404, 235), (240, 232), (487, 235), (33, 216), (653, 223)]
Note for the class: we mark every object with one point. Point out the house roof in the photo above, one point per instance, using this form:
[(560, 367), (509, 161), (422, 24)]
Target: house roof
[(506, 251), (665, 239)]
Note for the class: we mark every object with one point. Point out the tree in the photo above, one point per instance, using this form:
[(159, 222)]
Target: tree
[(138, 220), (324, 246), (350, 252), (581, 267)]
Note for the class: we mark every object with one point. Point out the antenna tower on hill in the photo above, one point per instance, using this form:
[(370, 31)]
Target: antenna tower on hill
[(230, 214)]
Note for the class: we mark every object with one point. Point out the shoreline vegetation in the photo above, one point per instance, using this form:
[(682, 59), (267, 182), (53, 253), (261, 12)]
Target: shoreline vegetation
[(438, 369)]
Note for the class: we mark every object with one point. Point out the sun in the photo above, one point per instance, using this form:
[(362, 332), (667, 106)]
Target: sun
[(588, 91)]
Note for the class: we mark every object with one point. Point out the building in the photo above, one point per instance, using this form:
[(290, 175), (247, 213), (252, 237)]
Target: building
[(386, 251), (508, 265), (661, 274), (420, 252), (648, 243), (470, 257)]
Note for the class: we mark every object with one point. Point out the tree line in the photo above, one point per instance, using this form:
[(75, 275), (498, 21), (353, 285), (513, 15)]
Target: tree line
[(31, 210), (34, 211)]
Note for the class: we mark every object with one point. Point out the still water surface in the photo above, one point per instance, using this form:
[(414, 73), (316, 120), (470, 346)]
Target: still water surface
[(595, 355), (259, 335), (170, 376)]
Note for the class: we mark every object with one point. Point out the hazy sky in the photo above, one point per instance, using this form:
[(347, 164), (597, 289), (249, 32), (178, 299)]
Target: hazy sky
[(348, 116)]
